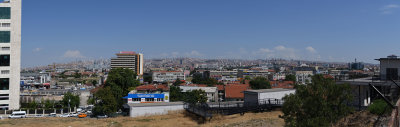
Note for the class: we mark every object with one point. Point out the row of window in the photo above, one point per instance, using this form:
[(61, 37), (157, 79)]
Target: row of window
[(5, 25), (5, 13), (4, 84), (147, 99), (4, 97), (5, 48), (5, 72)]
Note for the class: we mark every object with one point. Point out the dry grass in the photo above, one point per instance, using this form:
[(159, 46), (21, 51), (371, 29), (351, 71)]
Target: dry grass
[(175, 119)]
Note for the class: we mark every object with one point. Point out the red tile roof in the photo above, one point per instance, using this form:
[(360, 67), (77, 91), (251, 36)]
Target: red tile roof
[(198, 85), (152, 87), (235, 90), (282, 84), (220, 87)]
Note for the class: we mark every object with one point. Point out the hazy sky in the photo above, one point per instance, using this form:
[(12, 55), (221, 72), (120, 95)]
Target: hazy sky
[(339, 30)]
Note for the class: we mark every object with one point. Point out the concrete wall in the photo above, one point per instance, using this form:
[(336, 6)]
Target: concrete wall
[(153, 110), (276, 95)]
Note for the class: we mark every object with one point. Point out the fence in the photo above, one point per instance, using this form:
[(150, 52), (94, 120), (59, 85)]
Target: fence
[(207, 110), (40, 111)]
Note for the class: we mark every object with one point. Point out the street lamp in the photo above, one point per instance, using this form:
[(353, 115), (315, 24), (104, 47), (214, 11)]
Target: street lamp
[(69, 101)]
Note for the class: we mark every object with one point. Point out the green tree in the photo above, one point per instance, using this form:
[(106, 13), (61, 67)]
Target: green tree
[(175, 93), (196, 96), (77, 75), (94, 82), (379, 107), (91, 101), (260, 83), (177, 82), (72, 100), (199, 79), (106, 103), (119, 81), (290, 77), (32, 105), (317, 104), (148, 78), (48, 104)]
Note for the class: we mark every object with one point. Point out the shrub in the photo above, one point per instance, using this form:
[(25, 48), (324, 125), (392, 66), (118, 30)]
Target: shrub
[(379, 107)]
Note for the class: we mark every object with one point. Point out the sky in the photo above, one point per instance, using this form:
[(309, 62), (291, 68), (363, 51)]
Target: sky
[(321, 30)]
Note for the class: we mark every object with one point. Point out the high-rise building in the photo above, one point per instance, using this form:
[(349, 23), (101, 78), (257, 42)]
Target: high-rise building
[(10, 53), (128, 59)]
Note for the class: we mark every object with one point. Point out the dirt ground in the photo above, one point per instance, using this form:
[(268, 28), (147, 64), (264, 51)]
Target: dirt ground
[(173, 119)]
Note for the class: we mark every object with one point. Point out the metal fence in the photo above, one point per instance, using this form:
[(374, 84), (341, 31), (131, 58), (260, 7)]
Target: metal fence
[(207, 110)]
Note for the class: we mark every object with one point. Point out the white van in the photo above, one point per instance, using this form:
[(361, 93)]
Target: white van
[(18, 114)]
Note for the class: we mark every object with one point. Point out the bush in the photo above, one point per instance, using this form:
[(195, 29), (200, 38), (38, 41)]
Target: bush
[(379, 107)]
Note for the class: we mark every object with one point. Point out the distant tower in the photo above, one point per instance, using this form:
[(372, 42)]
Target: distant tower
[(128, 59)]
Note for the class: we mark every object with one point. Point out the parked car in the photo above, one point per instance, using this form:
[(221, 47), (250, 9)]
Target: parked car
[(82, 115), (52, 115), (102, 116), (74, 114), (38, 115), (18, 114), (64, 115)]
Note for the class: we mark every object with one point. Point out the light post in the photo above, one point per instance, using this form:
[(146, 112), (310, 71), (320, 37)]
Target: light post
[(69, 108)]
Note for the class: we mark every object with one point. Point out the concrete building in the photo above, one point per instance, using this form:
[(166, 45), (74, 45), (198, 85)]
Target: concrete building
[(389, 67), (212, 92), (168, 76), (10, 53), (356, 65), (304, 74), (147, 109), (128, 59), (256, 96)]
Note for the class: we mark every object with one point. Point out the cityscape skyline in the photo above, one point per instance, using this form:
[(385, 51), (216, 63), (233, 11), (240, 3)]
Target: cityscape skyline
[(209, 29)]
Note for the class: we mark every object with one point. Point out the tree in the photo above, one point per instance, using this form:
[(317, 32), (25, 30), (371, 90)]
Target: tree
[(94, 82), (175, 93), (319, 103), (148, 78), (290, 77), (48, 104), (196, 96), (106, 103), (119, 81), (260, 83), (72, 100), (91, 101), (77, 75), (199, 79), (177, 82)]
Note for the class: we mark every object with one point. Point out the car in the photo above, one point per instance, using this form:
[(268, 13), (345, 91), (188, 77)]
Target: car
[(38, 115), (18, 114), (74, 114), (102, 116), (82, 115), (52, 115), (64, 115)]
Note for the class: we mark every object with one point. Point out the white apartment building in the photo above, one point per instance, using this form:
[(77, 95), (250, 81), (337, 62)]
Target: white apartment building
[(168, 76), (212, 92), (10, 53)]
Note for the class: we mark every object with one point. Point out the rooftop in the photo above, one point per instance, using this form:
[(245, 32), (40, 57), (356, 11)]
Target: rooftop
[(269, 90)]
